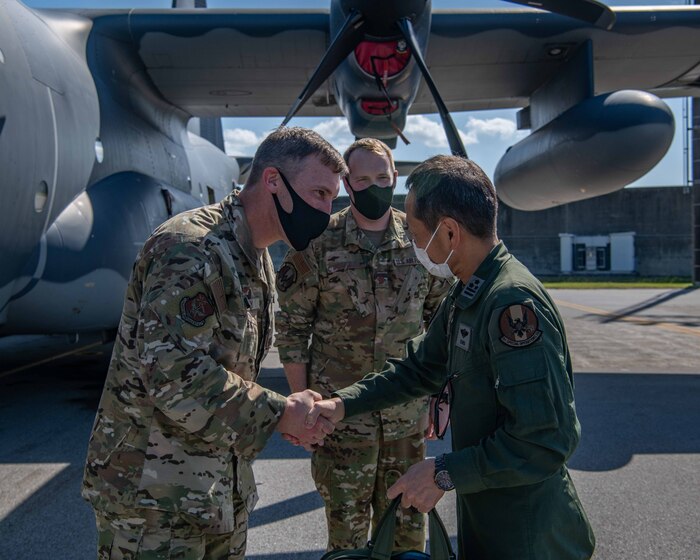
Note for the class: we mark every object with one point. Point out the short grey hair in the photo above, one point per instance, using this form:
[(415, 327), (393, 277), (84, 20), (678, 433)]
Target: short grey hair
[(286, 147), (454, 187)]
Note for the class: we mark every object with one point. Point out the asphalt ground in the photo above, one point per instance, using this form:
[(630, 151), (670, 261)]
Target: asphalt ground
[(637, 469)]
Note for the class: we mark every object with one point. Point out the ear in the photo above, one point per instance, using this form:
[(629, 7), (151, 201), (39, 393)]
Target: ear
[(271, 179), (454, 232), (396, 175)]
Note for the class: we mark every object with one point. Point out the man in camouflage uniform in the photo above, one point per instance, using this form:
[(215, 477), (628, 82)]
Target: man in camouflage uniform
[(181, 418), (358, 293)]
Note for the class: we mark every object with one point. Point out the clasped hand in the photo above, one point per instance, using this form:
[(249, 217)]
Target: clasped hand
[(308, 419)]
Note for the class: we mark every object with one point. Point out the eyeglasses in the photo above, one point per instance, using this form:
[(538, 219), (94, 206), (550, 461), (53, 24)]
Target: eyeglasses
[(441, 409)]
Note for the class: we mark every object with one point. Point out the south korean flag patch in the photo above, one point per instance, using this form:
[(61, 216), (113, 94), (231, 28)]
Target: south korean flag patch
[(464, 337)]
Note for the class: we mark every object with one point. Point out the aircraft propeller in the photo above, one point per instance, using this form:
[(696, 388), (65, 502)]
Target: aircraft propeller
[(374, 19), (589, 11)]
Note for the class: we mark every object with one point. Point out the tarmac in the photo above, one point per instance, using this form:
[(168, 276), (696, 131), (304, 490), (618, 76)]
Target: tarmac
[(636, 355)]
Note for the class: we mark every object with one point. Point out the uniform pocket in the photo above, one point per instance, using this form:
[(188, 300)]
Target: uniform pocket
[(524, 389)]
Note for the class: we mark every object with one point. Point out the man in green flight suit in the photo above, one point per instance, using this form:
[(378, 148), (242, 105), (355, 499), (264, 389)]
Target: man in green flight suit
[(181, 418), (357, 294), (497, 343)]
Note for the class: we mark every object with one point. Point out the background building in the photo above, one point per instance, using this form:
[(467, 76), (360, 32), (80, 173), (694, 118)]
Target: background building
[(643, 231)]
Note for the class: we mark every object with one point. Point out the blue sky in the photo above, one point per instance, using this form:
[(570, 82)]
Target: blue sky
[(487, 134)]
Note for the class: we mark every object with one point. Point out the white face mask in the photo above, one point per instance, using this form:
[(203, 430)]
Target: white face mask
[(441, 270)]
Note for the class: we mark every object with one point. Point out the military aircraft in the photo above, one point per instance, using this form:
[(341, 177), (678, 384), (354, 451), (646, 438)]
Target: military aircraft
[(95, 149)]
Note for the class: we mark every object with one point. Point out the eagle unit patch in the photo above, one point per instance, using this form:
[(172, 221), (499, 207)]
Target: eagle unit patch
[(519, 326), (286, 276), (195, 310)]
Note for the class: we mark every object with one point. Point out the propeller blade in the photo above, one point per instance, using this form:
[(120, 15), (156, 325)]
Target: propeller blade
[(453, 138), (344, 42), (589, 11)]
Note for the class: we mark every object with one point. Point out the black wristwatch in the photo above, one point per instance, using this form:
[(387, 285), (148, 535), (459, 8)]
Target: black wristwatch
[(442, 477)]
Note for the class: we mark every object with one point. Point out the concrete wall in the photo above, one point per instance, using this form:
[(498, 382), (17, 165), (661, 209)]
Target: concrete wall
[(659, 216)]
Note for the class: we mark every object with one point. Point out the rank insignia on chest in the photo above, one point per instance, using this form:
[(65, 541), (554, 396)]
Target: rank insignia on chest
[(464, 337), (472, 287), (519, 326), (195, 310), (381, 279), (247, 296)]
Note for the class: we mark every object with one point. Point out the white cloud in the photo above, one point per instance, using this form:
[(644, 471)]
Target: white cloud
[(505, 129), (241, 141), (428, 131), (424, 130), (337, 132)]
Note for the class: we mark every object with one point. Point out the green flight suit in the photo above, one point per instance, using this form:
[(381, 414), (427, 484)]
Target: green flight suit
[(500, 341)]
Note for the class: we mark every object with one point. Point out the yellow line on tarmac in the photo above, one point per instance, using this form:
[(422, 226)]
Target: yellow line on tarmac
[(629, 319)]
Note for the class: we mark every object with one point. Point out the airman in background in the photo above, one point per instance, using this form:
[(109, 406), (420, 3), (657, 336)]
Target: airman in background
[(349, 302)]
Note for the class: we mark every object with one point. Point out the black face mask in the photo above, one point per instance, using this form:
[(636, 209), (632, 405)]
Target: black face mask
[(374, 201), (304, 222)]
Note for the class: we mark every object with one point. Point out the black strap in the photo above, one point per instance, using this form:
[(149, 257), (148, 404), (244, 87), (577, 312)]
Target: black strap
[(382, 543)]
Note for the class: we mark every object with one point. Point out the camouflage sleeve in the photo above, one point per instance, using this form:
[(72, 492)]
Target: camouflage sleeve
[(186, 384), (437, 292), (297, 290)]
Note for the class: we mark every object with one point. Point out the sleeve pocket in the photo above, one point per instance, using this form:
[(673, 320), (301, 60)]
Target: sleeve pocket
[(524, 390), (186, 315)]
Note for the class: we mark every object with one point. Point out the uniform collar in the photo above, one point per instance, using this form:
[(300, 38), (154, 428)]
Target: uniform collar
[(469, 292), (394, 237), (234, 212)]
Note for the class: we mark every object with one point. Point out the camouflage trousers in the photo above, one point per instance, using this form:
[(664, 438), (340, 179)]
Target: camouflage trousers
[(160, 535), (353, 476)]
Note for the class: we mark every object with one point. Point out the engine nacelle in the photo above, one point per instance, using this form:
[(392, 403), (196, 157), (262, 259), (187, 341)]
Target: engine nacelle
[(594, 148)]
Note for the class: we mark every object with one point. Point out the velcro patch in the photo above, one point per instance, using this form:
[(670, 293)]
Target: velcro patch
[(217, 289), (195, 310), (286, 276), (301, 264), (464, 337), (472, 287), (519, 326)]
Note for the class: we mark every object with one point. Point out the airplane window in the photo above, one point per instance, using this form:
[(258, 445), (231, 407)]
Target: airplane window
[(40, 197), (2, 57), (99, 150)]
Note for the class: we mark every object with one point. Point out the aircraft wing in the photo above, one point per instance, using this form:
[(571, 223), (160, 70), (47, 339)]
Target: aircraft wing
[(255, 62), (228, 62), (492, 59)]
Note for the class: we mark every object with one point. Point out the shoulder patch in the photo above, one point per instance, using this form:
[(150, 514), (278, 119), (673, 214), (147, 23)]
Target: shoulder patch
[(519, 326), (195, 310), (286, 276)]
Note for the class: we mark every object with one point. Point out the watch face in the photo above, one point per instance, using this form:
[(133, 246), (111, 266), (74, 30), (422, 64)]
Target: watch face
[(443, 481)]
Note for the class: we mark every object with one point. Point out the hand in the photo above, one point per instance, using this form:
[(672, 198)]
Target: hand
[(418, 487), (296, 419), (332, 409), (430, 430), (310, 447)]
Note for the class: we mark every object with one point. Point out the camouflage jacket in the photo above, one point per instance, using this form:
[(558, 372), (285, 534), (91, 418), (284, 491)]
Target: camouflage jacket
[(346, 306), (181, 418)]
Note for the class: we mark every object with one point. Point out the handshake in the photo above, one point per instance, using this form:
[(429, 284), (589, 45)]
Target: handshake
[(308, 418)]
